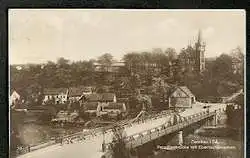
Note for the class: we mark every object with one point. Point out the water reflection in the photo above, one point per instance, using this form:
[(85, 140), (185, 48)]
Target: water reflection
[(233, 147)]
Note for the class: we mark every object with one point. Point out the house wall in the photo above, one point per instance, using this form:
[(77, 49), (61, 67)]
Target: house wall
[(60, 98), (74, 98), (180, 102), (14, 96)]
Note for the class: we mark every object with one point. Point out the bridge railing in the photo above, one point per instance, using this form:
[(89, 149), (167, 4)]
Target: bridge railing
[(83, 135), (166, 128)]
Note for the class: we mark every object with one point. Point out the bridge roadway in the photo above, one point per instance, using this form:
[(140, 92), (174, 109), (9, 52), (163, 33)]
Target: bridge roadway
[(91, 146)]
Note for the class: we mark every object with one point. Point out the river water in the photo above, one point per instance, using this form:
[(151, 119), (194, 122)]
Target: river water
[(205, 146)]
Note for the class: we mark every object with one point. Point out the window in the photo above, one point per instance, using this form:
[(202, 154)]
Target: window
[(192, 100)]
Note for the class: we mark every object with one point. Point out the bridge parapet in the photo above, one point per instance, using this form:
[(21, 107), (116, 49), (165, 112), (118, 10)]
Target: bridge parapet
[(143, 137)]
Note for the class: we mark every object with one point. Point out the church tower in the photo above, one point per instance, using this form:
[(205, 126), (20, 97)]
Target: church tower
[(199, 54)]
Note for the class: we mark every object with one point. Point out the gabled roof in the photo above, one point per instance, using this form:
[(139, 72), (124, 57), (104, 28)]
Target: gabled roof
[(22, 93), (94, 97), (101, 97), (78, 91), (54, 91), (108, 96), (115, 106), (91, 106), (184, 89), (11, 91)]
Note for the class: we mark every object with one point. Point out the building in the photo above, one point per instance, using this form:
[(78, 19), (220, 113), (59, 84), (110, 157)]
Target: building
[(14, 97), (115, 67), (144, 68), (124, 93), (57, 95), (192, 58), (75, 93), (114, 70), (109, 97), (96, 102), (92, 108), (101, 97), (114, 109), (237, 65), (181, 97)]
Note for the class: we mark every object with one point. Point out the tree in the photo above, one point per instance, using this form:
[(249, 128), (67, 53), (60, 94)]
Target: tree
[(237, 53), (106, 61), (157, 50), (222, 66), (118, 146), (171, 54), (132, 60), (62, 61)]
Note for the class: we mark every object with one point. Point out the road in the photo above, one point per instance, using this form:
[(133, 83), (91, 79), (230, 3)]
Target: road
[(91, 148)]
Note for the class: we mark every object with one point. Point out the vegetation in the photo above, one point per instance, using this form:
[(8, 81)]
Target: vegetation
[(219, 79), (118, 147)]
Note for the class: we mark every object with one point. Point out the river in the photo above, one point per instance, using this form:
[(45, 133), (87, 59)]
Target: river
[(206, 146)]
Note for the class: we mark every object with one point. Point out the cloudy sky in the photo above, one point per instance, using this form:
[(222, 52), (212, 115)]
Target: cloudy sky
[(36, 36)]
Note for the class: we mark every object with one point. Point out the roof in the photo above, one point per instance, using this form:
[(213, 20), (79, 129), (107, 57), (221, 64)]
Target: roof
[(108, 96), (183, 89), (113, 64), (115, 106), (186, 90), (91, 105), (101, 97), (55, 91), (94, 97), (118, 64), (21, 92), (11, 91), (78, 91)]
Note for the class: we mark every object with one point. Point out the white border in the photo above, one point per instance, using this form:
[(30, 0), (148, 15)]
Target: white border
[(143, 10)]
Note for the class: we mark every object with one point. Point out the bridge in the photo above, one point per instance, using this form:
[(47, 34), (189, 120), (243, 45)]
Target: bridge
[(136, 134), (233, 96)]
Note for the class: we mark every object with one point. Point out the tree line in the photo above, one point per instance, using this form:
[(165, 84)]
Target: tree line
[(218, 79)]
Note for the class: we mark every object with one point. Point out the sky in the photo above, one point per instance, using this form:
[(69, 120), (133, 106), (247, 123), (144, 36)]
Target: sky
[(41, 35)]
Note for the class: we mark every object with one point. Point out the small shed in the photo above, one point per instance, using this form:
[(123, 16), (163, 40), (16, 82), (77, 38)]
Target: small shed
[(181, 97)]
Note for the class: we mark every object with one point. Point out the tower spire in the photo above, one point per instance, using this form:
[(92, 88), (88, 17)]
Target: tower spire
[(199, 37)]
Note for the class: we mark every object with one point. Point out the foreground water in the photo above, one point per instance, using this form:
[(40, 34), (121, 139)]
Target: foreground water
[(227, 146), (33, 134)]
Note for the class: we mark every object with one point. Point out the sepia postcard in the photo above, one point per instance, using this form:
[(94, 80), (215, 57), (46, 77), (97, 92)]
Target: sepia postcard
[(123, 83)]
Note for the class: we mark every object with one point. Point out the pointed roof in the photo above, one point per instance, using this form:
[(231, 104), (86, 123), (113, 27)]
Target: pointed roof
[(78, 91), (186, 90), (94, 97), (54, 91), (183, 89), (101, 97), (199, 36)]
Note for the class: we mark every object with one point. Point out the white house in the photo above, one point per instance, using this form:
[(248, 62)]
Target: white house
[(14, 97), (59, 95)]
